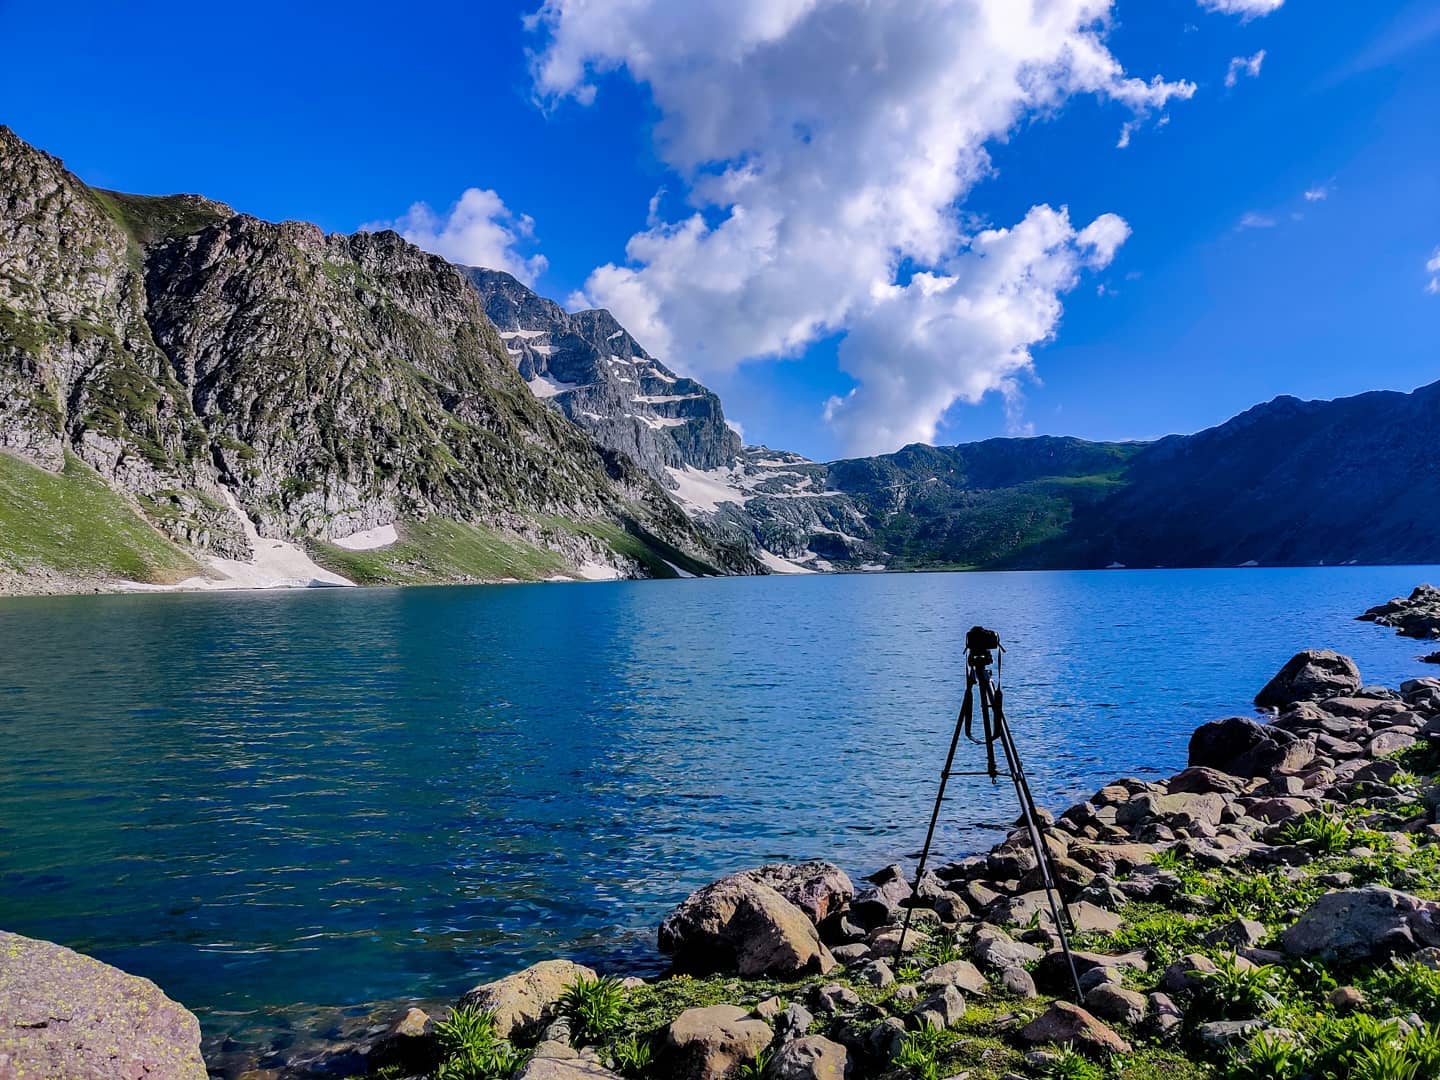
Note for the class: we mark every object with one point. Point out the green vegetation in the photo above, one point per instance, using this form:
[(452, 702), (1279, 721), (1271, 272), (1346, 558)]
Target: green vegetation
[(147, 219), (594, 1007), (1323, 831), (73, 524), (470, 1049), (438, 549)]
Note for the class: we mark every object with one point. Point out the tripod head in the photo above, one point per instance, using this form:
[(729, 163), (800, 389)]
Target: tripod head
[(980, 646)]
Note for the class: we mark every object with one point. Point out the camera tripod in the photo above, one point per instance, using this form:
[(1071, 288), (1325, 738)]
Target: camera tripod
[(980, 646)]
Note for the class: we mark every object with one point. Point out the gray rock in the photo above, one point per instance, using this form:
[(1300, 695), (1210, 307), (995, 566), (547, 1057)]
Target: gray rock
[(834, 998), (817, 888), (547, 1067), (1237, 934), (1241, 747), (1312, 675), (794, 1022), (711, 1043), (738, 924), (942, 1009), (1369, 924), (1111, 1001), (524, 1002), (67, 1015), (1063, 1023), (958, 973), (850, 954), (1221, 1035), (1018, 982), (875, 972), (1388, 742), (810, 1058), (997, 950)]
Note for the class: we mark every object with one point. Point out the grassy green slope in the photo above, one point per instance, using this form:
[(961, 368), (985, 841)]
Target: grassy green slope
[(72, 524), (438, 549)]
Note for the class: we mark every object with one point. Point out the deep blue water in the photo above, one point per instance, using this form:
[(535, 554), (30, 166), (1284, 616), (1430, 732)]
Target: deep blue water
[(264, 801)]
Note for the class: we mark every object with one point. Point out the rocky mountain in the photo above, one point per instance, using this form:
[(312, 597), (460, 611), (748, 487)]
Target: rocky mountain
[(1288, 482), (923, 507), (190, 393), (589, 366), (234, 380)]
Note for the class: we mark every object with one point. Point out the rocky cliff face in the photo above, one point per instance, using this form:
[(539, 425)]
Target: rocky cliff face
[(79, 367), (201, 360), (589, 366)]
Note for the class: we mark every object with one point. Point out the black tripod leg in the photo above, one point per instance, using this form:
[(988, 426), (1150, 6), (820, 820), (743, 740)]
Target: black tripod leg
[(1058, 911), (961, 721)]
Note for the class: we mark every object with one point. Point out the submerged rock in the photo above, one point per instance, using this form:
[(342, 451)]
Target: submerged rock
[(64, 1014), (739, 924), (1417, 616)]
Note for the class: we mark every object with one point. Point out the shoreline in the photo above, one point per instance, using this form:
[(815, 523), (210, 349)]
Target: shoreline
[(118, 587), (798, 961)]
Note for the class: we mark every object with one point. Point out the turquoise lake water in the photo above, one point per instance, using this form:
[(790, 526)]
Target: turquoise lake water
[(334, 797)]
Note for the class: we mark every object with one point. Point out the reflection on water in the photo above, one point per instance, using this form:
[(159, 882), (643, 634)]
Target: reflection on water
[(338, 797)]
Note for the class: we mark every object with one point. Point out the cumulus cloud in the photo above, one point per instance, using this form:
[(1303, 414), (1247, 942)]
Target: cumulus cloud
[(1432, 267), (1253, 220), (1244, 66), (479, 230), (1318, 193), (1246, 9), (918, 349), (825, 146)]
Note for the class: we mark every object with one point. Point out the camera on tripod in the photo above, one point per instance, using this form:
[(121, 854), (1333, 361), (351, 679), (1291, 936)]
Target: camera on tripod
[(980, 643)]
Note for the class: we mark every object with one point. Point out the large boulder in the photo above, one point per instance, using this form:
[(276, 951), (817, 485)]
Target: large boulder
[(526, 1001), (1353, 925), (811, 1058), (712, 1043), (1312, 675), (64, 1014), (816, 888), (1066, 1023), (1241, 747), (739, 924)]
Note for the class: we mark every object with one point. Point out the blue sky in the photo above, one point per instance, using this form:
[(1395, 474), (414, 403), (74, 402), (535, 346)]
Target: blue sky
[(1231, 287)]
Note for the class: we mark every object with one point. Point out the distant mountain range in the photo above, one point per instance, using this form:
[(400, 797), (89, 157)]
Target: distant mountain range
[(190, 393)]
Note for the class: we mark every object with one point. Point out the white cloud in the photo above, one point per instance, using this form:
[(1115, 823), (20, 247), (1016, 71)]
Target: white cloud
[(1252, 220), (1244, 65), (479, 230), (1318, 193), (735, 426), (1432, 267), (1246, 9), (918, 349), (826, 144)]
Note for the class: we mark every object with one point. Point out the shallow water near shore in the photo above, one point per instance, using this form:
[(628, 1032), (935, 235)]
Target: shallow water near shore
[(270, 802)]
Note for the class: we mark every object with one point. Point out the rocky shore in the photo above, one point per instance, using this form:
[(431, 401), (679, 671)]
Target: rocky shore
[(1269, 911), (1416, 616)]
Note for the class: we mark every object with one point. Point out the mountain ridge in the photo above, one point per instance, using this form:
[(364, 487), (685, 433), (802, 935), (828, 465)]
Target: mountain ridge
[(357, 407), (226, 373)]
